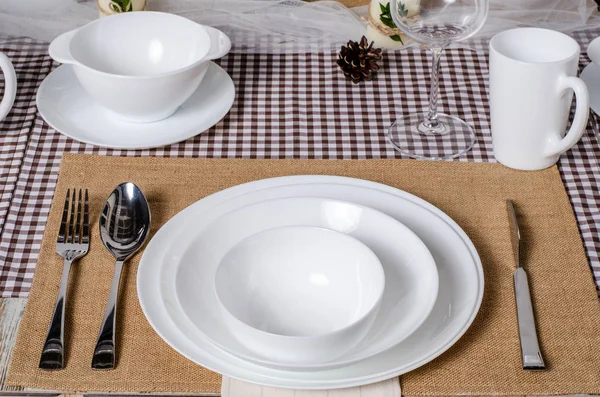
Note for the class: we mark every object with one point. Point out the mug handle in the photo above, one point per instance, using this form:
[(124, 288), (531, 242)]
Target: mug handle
[(560, 145), (10, 88), (219, 43)]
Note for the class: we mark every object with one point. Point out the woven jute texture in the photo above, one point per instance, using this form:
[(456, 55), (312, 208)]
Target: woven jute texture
[(485, 361)]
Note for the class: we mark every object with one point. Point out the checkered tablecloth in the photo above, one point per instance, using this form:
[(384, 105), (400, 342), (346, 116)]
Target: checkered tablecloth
[(287, 106)]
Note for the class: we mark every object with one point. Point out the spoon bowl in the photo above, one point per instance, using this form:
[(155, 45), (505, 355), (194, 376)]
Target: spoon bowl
[(124, 228), (125, 221)]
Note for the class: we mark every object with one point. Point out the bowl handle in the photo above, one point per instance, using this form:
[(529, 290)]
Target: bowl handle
[(219, 43), (59, 48)]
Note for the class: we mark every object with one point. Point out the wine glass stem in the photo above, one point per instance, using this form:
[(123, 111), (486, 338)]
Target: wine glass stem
[(434, 89)]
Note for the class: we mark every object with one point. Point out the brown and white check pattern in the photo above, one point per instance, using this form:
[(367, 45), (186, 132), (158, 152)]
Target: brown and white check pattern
[(287, 106)]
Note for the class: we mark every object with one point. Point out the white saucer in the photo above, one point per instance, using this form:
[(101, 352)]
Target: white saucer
[(411, 277), (67, 108), (591, 78)]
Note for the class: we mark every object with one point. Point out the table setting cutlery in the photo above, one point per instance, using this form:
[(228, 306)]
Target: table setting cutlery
[(124, 228), (530, 349), (73, 242)]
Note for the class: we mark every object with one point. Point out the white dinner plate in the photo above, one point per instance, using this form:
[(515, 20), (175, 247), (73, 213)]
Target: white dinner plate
[(459, 296), (67, 108), (591, 78), (411, 278)]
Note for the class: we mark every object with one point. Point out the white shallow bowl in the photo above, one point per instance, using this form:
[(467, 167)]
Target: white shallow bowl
[(300, 294), (410, 272), (140, 65)]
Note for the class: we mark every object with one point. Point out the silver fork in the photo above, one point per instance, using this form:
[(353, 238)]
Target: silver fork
[(73, 242)]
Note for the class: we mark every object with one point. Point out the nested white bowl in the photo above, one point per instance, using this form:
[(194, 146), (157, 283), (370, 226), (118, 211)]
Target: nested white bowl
[(140, 65), (300, 294)]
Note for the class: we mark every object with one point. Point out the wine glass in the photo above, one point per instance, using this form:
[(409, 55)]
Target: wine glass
[(435, 24)]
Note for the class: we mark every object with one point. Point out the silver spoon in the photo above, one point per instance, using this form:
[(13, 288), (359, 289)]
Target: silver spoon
[(124, 227)]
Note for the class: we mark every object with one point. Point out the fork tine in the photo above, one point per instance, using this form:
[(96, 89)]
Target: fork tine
[(86, 222), (78, 221), (71, 220), (63, 221)]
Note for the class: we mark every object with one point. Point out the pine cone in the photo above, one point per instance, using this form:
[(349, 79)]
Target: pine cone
[(358, 61)]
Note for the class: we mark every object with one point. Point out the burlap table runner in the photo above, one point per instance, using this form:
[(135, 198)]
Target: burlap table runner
[(485, 361)]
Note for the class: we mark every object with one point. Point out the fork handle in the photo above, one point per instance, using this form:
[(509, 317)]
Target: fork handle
[(105, 351), (53, 353)]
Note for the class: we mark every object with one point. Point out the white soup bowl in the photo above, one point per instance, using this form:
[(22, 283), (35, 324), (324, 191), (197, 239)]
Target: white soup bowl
[(140, 65), (300, 294)]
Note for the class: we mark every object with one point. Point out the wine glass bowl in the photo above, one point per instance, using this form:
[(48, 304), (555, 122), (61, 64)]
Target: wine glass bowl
[(435, 24), (438, 22)]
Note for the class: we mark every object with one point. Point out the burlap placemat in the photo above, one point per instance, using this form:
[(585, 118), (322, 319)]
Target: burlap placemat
[(485, 361)]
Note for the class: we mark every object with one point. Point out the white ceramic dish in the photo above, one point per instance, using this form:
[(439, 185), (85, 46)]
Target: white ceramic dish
[(411, 275), (294, 294), (140, 65), (67, 108), (459, 298), (593, 50), (591, 77)]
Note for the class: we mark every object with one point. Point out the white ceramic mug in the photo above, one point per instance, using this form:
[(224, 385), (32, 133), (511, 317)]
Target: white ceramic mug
[(10, 86), (532, 79)]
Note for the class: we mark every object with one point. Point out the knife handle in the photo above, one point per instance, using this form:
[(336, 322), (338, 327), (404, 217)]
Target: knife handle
[(530, 348)]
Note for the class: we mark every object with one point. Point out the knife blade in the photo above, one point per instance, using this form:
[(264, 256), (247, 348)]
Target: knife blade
[(530, 348)]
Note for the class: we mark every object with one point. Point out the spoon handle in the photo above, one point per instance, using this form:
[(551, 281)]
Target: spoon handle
[(104, 353)]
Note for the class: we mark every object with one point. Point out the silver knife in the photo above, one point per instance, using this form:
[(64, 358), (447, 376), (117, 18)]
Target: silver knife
[(530, 348)]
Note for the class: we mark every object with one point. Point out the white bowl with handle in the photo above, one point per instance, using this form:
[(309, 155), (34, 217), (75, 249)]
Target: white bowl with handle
[(140, 65)]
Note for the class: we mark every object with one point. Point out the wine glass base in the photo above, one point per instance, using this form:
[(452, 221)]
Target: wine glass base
[(415, 137)]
